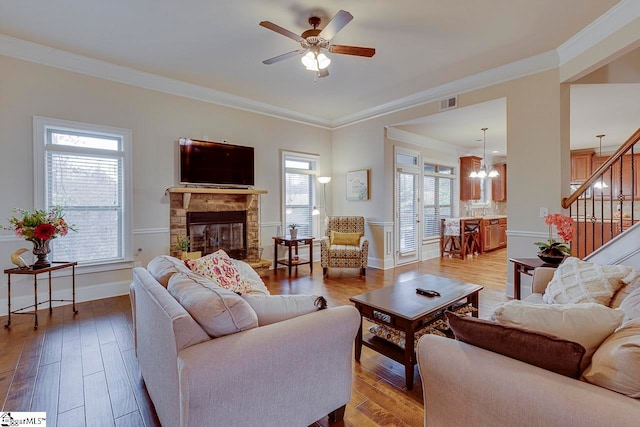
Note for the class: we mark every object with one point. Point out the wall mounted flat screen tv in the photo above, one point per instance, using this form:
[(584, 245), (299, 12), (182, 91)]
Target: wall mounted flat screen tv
[(205, 162)]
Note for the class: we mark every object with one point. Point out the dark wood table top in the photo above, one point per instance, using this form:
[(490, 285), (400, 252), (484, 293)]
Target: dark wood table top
[(532, 262), (401, 299)]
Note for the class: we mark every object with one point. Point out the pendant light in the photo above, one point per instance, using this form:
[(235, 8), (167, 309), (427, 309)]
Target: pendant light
[(482, 173), (600, 183)]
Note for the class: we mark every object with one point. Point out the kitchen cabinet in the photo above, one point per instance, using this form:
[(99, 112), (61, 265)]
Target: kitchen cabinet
[(630, 185), (494, 234), (499, 184), (581, 166), (469, 187)]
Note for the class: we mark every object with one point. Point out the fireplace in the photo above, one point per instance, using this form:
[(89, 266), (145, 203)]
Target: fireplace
[(216, 218), (210, 231)]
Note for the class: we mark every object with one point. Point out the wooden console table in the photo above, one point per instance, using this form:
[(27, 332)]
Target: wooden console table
[(293, 260), (34, 272)]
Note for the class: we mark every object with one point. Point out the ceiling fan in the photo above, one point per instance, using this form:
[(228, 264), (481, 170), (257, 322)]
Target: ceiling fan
[(314, 40)]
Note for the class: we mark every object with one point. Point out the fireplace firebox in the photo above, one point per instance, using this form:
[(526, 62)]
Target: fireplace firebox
[(210, 231)]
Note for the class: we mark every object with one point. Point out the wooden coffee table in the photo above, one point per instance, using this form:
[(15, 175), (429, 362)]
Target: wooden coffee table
[(409, 312)]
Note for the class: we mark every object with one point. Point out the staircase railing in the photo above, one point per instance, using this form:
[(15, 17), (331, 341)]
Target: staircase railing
[(604, 205)]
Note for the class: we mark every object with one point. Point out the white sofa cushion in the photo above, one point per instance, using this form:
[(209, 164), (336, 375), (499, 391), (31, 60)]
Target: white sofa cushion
[(631, 306), (276, 308), (616, 363), (219, 311), (577, 281), (164, 266), (587, 324)]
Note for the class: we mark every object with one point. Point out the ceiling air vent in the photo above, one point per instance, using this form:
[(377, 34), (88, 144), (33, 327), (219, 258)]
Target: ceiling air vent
[(448, 103)]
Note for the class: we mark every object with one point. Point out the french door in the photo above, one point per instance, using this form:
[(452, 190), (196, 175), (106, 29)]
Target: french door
[(407, 206)]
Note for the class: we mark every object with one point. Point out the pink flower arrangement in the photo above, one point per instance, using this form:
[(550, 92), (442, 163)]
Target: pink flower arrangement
[(39, 224), (564, 228)]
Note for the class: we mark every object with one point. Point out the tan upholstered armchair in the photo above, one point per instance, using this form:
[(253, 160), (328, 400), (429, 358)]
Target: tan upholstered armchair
[(336, 248)]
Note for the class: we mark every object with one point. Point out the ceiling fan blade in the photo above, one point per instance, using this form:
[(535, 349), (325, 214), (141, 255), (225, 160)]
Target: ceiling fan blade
[(278, 29), (337, 23), (353, 50), (283, 57), (323, 73)]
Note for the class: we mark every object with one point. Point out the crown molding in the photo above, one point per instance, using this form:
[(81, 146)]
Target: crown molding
[(604, 26), (40, 54), (402, 135), (525, 67)]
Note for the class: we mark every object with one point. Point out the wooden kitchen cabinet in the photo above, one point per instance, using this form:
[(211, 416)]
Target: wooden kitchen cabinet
[(499, 184), (502, 241), (469, 187), (581, 165), (630, 186)]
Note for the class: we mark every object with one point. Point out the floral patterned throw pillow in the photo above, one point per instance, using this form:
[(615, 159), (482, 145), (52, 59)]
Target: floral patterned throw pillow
[(219, 268)]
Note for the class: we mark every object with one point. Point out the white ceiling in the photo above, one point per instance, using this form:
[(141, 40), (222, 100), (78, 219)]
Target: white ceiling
[(217, 44)]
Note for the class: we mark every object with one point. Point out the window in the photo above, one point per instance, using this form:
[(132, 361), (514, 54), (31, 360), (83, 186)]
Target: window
[(85, 169), (438, 197), (299, 191)]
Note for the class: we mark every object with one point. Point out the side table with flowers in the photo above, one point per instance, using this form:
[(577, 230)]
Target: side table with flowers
[(552, 251), (39, 227)]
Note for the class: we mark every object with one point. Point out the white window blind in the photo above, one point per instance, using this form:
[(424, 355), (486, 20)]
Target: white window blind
[(85, 173), (438, 197), (299, 195)]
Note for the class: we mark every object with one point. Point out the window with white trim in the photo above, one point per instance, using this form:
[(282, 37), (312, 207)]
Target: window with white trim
[(438, 197), (299, 192), (85, 169)]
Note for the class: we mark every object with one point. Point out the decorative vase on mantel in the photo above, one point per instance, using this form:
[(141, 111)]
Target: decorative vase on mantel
[(552, 256), (41, 251)]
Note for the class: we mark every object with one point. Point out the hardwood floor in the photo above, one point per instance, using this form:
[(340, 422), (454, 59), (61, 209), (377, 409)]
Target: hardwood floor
[(82, 369)]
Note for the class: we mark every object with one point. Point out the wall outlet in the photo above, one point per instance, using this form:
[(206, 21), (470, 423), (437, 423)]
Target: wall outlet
[(544, 212)]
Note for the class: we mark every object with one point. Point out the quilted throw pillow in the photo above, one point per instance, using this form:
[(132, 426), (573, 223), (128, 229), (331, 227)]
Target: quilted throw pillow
[(577, 281), (220, 269)]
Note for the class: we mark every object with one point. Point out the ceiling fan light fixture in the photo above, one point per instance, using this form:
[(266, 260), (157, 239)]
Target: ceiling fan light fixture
[(314, 61)]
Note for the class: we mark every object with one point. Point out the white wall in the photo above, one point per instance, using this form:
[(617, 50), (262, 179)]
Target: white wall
[(157, 121)]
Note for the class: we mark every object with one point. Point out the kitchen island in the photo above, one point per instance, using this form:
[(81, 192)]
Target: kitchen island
[(492, 235)]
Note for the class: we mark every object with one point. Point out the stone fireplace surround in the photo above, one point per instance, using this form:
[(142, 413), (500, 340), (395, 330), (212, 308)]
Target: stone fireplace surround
[(202, 199)]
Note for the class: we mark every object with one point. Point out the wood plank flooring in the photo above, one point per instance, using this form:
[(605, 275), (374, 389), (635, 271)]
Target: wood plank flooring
[(82, 369)]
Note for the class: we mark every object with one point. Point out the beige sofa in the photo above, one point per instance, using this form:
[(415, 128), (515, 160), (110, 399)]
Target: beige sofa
[(464, 385), (291, 372)]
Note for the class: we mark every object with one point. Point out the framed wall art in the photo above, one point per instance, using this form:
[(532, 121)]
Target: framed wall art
[(358, 185)]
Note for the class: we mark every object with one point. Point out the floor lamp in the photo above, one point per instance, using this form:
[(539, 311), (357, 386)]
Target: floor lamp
[(324, 180)]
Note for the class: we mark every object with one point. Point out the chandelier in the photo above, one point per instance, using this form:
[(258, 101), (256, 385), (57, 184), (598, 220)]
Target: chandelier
[(482, 173)]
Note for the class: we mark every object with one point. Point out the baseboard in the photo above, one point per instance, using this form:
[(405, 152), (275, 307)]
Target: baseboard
[(83, 294)]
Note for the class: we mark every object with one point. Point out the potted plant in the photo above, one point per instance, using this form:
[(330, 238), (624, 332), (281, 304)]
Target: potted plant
[(183, 246), (293, 230), (551, 251)]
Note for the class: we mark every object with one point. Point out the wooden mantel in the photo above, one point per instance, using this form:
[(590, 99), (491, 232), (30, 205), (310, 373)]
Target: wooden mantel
[(188, 191), (214, 190)]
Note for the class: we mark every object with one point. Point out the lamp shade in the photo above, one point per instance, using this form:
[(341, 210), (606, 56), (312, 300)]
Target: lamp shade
[(324, 179)]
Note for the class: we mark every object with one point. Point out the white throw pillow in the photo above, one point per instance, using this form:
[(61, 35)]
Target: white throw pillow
[(616, 363), (219, 311), (577, 281), (587, 324)]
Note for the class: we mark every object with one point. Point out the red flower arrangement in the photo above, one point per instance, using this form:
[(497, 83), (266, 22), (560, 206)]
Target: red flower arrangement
[(39, 224), (564, 228)]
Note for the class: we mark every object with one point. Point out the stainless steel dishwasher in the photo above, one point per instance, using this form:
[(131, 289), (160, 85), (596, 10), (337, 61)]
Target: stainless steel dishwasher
[(494, 233)]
